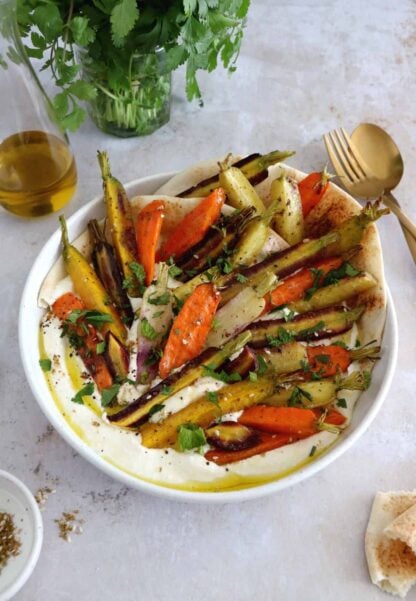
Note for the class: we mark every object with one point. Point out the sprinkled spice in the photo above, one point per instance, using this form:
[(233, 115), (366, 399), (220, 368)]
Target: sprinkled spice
[(69, 523), (9, 541), (42, 495)]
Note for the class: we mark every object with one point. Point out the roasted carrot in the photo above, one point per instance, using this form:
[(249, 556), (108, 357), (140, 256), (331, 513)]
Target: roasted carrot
[(190, 328), (296, 286), (148, 226), (328, 360), (268, 442), (86, 337), (312, 188), (193, 226), (280, 420), (335, 418)]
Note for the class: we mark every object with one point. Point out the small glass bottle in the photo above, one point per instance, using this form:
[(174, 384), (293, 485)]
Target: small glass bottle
[(37, 168)]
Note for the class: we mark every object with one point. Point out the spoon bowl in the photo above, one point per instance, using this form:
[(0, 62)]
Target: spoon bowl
[(380, 153)]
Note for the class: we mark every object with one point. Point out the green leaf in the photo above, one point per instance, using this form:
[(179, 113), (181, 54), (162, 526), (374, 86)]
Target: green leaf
[(147, 330), (49, 21), (123, 17), (308, 333), (262, 365), (82, 33), (166, 390), (162, 299), (100, 348), (109, 394), (242, 279), (190, 436), (341, 403), (46, 364), (87, 390), (82, 90), (189, 6), (175, 57), (252, 376), (283, 337), (38, 40), (73, 120), (222, 376), (60, 104), (155, 409)]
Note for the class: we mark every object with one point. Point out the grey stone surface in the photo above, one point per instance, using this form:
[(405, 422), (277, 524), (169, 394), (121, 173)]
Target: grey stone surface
[(305, 67)]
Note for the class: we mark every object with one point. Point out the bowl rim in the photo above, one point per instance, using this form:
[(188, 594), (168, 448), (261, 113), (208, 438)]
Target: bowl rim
[(37, 526), (31, 289)]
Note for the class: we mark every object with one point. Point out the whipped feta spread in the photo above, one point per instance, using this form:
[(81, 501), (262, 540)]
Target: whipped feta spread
[(167, 467)]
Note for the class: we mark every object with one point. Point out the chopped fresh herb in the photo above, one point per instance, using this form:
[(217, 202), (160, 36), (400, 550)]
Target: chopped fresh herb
[(317, 277), (174, 270), (147, 330), (162, 299), (138, 271), (92, 317), (45, 364), (322, 358), (367, 379), (333, 276), (209, 276), (262, 365), (85, 391), (158, 313), (100, 348), (242, 279), (212, 397), (340, 343), (312, 451), (155, 409), (309, 332), (191, 272), (125, 319), (317, 375), (225, 265), (288, 314), (128, 282), (154, 356), (357, 343), (178, 304), (109, 394), (166, 390), (304, 365), (190, 436), (296, 396), (341, 403), (222, 376), (252, 376), (283, 337)]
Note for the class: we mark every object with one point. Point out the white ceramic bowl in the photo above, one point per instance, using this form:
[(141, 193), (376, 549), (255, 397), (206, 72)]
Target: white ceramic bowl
[(29, 318), (16, 499)]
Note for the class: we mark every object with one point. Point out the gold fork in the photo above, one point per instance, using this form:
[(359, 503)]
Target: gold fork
[(358, 179)]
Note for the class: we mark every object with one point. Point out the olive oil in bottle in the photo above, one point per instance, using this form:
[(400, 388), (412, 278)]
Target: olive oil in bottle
[(37, 173)]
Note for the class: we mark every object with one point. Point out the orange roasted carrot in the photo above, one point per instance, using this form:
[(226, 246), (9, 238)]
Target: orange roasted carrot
[(193, 226), (335, 418), (148, 226), (268, 442), (312, 188), (295, 286), (328, 360), (280, 420), (87, 339), (190, 328)]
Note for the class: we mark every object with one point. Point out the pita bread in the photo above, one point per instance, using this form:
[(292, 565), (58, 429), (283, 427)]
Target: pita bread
[(391, 560)]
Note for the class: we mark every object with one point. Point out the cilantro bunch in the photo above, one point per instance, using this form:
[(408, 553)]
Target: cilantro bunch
[(196, 33)]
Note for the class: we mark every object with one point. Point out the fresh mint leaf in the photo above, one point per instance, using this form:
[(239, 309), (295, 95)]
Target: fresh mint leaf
[(334, 275), (109, 394), (147, 330), (190, 436), (45, 364), (87, 390)]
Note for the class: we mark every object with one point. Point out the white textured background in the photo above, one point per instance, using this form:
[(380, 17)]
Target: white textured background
[(305, 67)]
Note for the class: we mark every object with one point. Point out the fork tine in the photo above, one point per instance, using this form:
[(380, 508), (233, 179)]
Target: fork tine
[(333, 156), (342, 159), (347, 154), (359, 161)]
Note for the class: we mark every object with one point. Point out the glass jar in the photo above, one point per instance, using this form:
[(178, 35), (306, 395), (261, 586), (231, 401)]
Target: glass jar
[(37, 168), (137, 103)]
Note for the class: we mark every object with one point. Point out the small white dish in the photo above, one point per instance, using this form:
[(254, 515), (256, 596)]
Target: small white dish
[(29, 318), (16, 499)]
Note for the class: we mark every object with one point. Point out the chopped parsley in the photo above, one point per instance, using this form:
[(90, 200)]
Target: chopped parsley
[(87, 390), (333, 276), (109, 394), (95, 318), (155, 409), (252, 376), (341, 403), (190, 436), (317, 278), (166, 390), (296, 396), (45, 364), (154, 356), (174, 270), (241, 279), (262, 365), (147, 330), (283, 337), (225, 265), (162, 299), (304, 365), (322, 359), (158, 313), (222, 376), (309, 332), (341, 344), (288, 314), (212, 397), (312, 451), (215, 324)]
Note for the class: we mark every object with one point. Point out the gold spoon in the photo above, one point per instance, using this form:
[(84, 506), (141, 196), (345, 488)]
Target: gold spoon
[(383, 158)]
